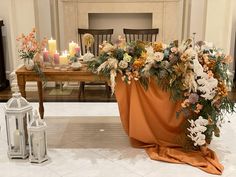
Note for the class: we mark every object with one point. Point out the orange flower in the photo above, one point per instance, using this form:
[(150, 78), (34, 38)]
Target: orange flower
[(185, 103), (157, 47), (138, 63), (185, 57), (198, 108), (222, 89)]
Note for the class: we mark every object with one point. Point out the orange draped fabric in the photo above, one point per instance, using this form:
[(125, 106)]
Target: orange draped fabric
[(149, 118)]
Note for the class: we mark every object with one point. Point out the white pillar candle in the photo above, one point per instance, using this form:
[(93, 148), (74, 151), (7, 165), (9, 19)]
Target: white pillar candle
[(72, 46), (52, 46), (63, 59)]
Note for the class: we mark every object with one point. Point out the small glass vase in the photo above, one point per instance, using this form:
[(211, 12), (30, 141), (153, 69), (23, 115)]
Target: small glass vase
[(29, 64)]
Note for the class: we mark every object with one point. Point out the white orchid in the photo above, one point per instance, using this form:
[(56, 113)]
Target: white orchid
[(201, 121), (205, 84), (198, 127)]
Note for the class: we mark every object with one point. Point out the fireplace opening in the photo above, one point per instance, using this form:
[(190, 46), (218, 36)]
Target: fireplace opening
[(118, 21)]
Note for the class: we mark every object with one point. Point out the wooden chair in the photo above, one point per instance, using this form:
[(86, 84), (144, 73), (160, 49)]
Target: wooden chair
[(100, 35), (148, 35)]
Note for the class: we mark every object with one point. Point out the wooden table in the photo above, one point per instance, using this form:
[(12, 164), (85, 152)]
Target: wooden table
[(24, 75)]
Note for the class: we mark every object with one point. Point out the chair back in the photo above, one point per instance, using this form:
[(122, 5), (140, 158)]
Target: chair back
[(99, 35), (148, 35)]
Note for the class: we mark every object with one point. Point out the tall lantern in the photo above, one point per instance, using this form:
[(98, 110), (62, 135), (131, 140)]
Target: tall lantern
[(37, 139), (18, 113)]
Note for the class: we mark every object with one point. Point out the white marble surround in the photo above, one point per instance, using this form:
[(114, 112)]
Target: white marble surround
[(167, 15), (122, 161)]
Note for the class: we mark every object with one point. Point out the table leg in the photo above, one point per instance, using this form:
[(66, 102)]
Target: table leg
[(40, 90), (21, 84)]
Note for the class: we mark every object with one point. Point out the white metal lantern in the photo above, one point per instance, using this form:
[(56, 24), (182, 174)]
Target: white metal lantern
[(18, 113), (37, 139)]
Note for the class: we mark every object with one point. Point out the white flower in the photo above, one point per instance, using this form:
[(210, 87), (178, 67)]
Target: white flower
[(197, 67), (151, 58), (200, 139), (149, 50), (192, 122), (106, 47), (164, 46), (205, 84), (111, 63), (159, 56), (127, 57), (113, 80), (198, 127), (201, 121), (123, 64)]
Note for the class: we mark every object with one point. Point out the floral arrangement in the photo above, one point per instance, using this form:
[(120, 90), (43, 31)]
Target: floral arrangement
[(29, 46), (31, 49), (194, 73)]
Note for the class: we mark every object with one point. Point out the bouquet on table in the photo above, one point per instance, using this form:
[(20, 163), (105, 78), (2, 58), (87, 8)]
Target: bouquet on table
[(30, 50), (194, 73)]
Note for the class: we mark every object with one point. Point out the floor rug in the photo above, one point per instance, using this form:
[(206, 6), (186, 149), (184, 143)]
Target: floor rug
[(86, 132)]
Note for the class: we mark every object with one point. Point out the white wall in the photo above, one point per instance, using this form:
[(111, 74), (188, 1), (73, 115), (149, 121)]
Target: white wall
[(218, 23), (198, 19), (44, 19), (18, 17)]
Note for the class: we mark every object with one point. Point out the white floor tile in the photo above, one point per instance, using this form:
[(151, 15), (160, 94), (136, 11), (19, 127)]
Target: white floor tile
[(103, 168)]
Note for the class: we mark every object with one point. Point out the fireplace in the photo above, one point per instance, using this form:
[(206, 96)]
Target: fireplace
[(167, 15)]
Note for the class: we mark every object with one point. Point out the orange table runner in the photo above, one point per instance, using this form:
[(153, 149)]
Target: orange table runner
[(149, 118)]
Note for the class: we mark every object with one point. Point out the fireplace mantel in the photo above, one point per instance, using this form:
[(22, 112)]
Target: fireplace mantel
[(167, 15)]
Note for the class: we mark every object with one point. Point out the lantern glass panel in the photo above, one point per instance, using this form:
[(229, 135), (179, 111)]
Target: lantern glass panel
[(38, 145), (14, 134)]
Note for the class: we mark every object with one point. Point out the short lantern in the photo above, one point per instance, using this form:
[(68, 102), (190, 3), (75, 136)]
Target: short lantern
[(18, 113), (37, 139)]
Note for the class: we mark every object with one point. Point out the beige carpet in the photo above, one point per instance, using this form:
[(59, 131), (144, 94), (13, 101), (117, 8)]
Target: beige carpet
[(86, 132)]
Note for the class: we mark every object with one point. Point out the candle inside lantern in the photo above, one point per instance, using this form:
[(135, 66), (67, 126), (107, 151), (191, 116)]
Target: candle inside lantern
[(16, 139), (72, 46), (56, 58), (45, 55), (63, 59), (52, 47)]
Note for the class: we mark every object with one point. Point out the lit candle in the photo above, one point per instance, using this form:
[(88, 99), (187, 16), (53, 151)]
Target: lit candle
[(56, 58), (45, 55), (72, 46), (52, 46), (77, 51), (63, 59)]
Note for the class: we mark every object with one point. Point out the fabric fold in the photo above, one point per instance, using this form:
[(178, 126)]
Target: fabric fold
[(149, 119)]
